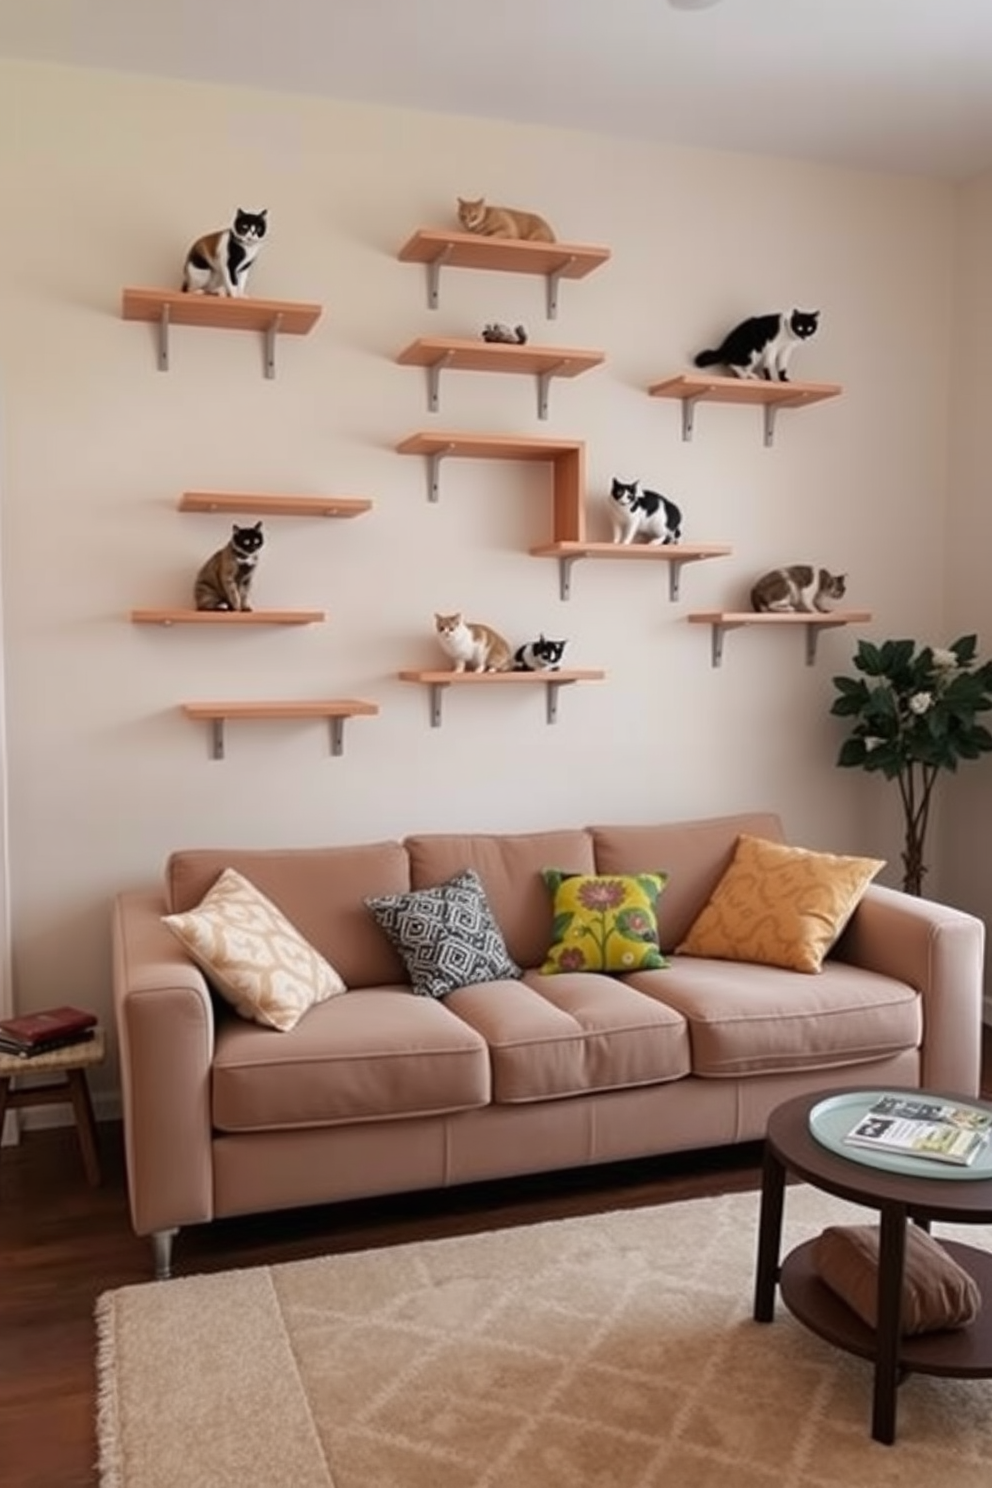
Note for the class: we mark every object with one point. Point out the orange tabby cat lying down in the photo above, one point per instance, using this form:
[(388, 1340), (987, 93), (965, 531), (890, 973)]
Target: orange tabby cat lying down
[(502, 222)]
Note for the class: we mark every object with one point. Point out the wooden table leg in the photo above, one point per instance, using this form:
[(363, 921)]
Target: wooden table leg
[(891, 1258), (4, 1092), (82, 1107), (769, 1236)]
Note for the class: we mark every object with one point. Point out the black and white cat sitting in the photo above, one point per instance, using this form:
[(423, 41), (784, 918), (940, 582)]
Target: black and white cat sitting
[(636, 513), (218, 262), (541, 655), (763, 345)]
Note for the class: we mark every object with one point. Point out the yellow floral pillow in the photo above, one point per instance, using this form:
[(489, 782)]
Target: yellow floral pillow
[(779, 906), (604, 923)]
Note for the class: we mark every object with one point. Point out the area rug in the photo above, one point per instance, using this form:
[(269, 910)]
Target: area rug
[(610, 1351)]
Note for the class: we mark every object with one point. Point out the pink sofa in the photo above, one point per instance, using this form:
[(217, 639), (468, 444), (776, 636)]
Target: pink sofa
[(380, 1091)]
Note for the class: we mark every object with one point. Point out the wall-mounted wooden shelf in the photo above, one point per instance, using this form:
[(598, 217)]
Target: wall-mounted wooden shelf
[(691, 388), (551, 681), (459, 250), (565, 456), (674, 554), (336, 710), (813, 623), (167, 307), (273, 506), (544, 362), (227, 617)]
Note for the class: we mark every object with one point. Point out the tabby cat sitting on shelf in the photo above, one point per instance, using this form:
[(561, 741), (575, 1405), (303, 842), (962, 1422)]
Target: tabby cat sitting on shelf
[(471, 646), (797, 588), (502, 222), (224, 581)]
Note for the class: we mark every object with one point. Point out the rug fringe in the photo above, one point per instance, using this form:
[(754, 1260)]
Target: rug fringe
[(108, 1432)]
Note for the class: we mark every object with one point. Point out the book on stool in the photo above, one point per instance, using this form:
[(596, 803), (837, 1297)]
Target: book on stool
[(43, 1032)]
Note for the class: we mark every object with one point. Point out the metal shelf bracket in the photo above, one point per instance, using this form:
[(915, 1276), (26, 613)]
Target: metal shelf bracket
[(554, 279), (770, 412), (553, 687), (688, 418), (434, 380), (217, 738), (437, 692), (434, 276), (163, 339), (337, 735), (271, 331), (544, 383), (565, 576), (434, 471)]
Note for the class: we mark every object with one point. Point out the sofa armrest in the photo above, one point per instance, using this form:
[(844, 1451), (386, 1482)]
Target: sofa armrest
[(940, 951), (165, 1028)]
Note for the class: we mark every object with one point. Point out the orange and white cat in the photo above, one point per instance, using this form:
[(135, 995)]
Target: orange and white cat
[(472, 647), (502, 222)]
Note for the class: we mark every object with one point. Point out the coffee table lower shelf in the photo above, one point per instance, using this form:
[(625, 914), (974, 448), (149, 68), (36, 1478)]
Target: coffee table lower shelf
[(963, 1353)]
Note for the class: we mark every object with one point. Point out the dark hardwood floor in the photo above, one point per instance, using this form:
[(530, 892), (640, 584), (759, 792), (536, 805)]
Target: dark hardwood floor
[(62, 1243)]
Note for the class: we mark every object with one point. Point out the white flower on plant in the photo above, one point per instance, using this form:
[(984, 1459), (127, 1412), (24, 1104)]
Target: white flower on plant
[(872, 742), (943, 660), (920, 703)]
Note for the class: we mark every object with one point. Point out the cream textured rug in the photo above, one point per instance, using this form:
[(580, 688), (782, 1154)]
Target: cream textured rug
[(613, 1351)]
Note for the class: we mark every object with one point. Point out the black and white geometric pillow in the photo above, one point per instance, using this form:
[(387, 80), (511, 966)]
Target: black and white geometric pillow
[(446, 936)]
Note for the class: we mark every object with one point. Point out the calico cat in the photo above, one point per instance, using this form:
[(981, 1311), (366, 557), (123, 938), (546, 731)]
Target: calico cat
[(218, 263), (798, 587), (637, 513), (763, 345), (224, 581), (541, 655), (472, 647), (502, 222)]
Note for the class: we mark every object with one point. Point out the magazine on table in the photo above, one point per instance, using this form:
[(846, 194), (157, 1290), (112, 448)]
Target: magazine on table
[(920, 1127)]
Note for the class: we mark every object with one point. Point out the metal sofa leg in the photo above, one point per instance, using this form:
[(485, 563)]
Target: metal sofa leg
[(162, 1251)]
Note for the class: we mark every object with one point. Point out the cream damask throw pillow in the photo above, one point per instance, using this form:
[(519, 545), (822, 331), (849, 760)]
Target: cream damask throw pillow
[(257, 960), (779, 906)]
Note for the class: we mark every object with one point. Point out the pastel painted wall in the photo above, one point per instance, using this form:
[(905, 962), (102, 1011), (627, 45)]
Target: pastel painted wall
[(110, 177)]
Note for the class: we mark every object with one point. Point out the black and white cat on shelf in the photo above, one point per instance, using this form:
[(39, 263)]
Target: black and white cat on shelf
[(541, 655), (218, 262), (636, 513), (763, 345)]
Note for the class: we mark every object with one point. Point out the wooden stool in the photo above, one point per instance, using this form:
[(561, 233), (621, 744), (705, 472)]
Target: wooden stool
[(72, 1062)]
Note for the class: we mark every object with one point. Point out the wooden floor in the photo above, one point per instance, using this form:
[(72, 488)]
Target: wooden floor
[(62, 1243)]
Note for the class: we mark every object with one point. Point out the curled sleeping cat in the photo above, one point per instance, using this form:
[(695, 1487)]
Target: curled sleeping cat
[(471, 646), (502, 222), (798, 587)]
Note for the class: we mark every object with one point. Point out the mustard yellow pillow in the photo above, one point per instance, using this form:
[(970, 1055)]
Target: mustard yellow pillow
[(604, 922), (779, 906)]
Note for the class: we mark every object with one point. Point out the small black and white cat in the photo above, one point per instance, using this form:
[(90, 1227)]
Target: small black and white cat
[(218, 263), (224, 581), (637, 513), (763, 345), (541, 655)]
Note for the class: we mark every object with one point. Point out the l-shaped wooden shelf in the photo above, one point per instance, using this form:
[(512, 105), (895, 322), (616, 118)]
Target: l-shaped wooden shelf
[(691, 388), (166, 307), (566, 457), (273, 506), (336, 710), (437, 681), (545, 362), (813, 622), (227, 617), (674, 554), (460, 250)]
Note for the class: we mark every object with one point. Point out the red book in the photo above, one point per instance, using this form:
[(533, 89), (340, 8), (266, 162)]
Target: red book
[(31, 1029)]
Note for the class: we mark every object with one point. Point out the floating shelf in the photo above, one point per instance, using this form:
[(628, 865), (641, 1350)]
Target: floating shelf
[(460, 250), (167, 307), (674, 554), (692, 387), (723, 620), (552, 681), (566, 457), (336, 710), (545, 362), (227, 617), (273, 506)]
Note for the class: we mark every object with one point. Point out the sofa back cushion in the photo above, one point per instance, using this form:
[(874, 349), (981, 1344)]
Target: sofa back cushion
[(511, 868), (694, 854), (320, 889)]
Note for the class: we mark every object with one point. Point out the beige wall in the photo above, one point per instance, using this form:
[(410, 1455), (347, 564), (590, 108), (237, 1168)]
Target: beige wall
[(108, 178)]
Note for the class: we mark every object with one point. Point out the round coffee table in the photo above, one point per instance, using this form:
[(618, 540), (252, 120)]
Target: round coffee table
[(790, 1147)]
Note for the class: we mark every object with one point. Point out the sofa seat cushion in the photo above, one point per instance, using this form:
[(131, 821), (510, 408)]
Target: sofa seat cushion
[(552, 1036), (751, 1020), (376, 1054)]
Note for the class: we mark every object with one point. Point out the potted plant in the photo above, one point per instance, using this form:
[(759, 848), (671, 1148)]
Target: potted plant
[(914, 713)]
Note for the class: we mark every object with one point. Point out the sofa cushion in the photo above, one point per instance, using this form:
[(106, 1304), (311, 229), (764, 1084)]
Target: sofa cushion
[(694, 854), (748, 1020), (510, 869), (779, 905), (376, 1054), (319, 888), (255, 958), (572, 1034), (446, 935), (604, 922)]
